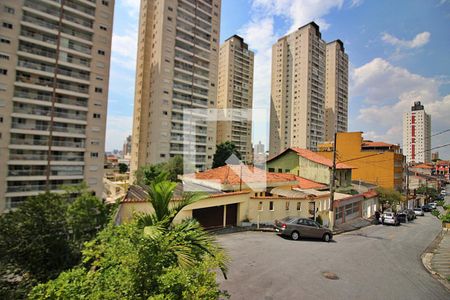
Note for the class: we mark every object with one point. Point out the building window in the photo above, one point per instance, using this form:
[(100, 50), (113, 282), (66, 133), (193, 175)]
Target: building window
[(280, 170), (7, 25), (271, 206), (105, 2), (101, 52), (97, 116), (260, 206), (299, 205), (4, 56), (162, 155), (5, 40), (3, 71), (165, 113), (103, 27), (287, 205), (271, 170), (1, 119), (169, 18), (94, 154), (287, 170), (98, 90), (98, 77), (9, 10)]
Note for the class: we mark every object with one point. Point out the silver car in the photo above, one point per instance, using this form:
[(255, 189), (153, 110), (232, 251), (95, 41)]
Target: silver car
[(300, 227), (419, 211)]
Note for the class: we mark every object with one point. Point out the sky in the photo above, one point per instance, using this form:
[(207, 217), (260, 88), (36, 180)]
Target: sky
[(398, 53)]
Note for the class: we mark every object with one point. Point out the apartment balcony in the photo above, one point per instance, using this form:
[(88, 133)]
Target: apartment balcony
[(33, 127), (42, 143), (26, 96)]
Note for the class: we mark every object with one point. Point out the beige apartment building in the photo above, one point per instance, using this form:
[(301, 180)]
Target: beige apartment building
[(298, 89), (177, 63), (54, 72), (336, 89), (235, 92)]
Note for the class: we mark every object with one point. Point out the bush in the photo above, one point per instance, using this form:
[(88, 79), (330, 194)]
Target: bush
[(440, 202), (446, 218), (435, 213)]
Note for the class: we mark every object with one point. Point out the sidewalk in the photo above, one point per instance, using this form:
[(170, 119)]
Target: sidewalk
[(352, 225), (437, 258)]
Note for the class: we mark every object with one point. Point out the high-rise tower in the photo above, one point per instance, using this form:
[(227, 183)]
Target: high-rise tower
[(235, 91), (54, 73), (177, 63), (417, 135)]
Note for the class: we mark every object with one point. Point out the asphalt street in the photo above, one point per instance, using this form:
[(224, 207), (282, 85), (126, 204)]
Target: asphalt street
[(376, 262)]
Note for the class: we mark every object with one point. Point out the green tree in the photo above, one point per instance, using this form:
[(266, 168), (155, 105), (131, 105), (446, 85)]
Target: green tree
[(389, 197), (174, 167), (429, 191), (146, 174), (44, 237), (151, 258), (223, 152), (123, 168)]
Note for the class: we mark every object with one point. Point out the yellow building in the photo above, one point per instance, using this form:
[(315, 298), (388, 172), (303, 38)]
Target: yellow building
[(375, 162)]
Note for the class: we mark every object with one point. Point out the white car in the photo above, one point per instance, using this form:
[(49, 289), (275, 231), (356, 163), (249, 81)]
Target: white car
[(390, 218), (418, 211), (443, 192), (433, 205)]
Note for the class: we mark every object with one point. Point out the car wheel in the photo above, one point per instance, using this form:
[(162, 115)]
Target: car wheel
[(295, 235), (326, 237)]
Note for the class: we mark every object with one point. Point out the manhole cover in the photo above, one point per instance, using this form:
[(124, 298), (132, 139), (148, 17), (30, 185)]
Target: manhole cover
[(330, 275)]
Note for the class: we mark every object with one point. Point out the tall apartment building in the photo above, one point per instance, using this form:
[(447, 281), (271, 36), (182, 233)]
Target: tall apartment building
[(54, 73), (235, 91), (177, 63), (336, 89), (417, 135), (299, 66)]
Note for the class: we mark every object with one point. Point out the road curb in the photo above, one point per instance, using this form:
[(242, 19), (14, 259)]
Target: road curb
[(427, 256)]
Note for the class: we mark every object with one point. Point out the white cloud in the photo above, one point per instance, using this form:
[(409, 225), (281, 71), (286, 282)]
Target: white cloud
[(124, 49), (132, 5), (421, 39), (391, 91), (119, 127), (355, 3)]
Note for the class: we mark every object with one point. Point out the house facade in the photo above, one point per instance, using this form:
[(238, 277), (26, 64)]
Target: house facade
[(310, 165)]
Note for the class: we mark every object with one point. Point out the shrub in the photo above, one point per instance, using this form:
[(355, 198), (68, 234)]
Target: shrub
[(319, 220)]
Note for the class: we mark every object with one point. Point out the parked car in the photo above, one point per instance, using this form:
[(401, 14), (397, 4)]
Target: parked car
[(433, 205), (427, 208), (390, 218), (402, 217), (297, 228), (418, 211), (443, 192)]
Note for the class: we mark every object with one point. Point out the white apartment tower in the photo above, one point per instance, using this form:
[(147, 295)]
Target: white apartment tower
[(417, 135), (235, 92), (54, 73), (336, 89), (177, 61)]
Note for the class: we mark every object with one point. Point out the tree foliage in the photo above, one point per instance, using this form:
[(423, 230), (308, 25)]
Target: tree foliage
[(43, 237), (146, 174), (429, 191), (123, 168), (150, 258), (223, 152), (389, 197)]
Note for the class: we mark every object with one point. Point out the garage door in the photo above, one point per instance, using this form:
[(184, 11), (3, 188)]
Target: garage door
[(210, 217)]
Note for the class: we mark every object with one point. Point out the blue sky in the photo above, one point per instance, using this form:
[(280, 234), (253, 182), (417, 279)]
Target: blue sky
[(398, 52)]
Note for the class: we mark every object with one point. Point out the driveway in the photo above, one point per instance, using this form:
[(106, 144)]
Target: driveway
[(376, 262)]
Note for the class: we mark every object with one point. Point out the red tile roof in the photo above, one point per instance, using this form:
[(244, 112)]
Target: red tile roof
[(370, 194), (231, 175), (376, 144), (422, 166), (312, 156)]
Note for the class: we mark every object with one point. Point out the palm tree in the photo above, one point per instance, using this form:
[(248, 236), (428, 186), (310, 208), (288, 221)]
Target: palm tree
[(187, 240)]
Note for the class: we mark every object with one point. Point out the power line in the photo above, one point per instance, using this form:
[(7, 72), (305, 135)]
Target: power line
[(441, 132)]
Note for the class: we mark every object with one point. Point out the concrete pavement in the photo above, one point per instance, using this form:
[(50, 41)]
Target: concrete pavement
[(376, 262)]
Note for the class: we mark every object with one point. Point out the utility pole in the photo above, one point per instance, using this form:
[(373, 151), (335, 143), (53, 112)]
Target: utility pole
[(407, 183), (332, 181)]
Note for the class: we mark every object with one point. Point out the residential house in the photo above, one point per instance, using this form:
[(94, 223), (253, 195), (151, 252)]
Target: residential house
[(310, 165)]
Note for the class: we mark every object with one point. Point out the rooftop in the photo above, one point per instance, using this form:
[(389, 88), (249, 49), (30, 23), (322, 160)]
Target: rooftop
[(370, 144), (312, 156)]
